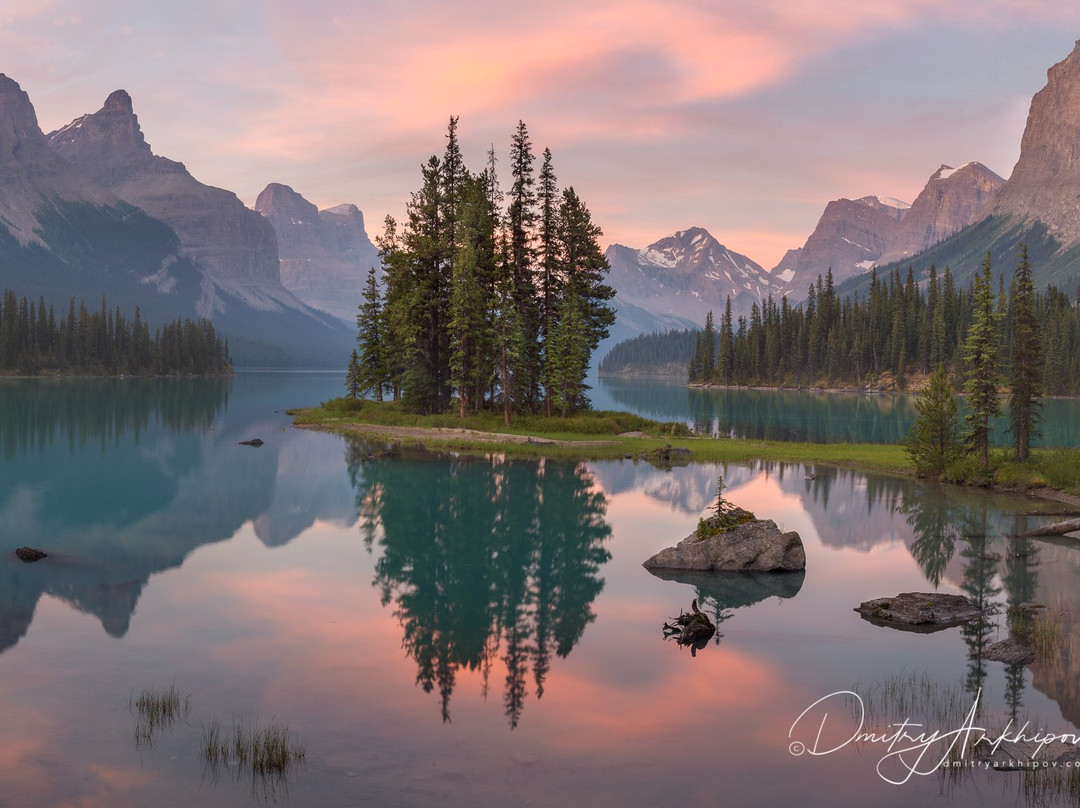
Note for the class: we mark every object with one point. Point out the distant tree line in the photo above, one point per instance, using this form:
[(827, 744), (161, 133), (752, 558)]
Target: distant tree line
[(489, 300), (900, 331), (105, 341), (650, 354)]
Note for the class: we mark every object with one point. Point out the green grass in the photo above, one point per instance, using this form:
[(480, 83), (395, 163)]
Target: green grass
[(260, 748), (157, 710), (1047, 468), (594, 436), (598, 435)]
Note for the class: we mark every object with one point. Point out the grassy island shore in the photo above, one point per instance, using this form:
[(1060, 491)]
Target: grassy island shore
[(597, 435)]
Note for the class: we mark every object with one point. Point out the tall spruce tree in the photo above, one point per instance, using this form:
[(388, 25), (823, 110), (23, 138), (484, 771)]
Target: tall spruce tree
[(470, 303), (1026, 365), (551, 278), (371, 364), (934, 440), (584, 269), (981, 351), (352, 376), (521, 215), (708, 355)]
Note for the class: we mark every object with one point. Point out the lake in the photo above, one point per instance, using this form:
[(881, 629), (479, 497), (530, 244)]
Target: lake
[(478, 631), (806, 415)]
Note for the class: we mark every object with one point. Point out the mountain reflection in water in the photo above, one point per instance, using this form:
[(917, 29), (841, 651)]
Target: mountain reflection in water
[(300, 580)]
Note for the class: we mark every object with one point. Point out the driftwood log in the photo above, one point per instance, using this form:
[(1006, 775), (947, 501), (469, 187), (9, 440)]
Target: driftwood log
[(692, 628), (1054, 529)]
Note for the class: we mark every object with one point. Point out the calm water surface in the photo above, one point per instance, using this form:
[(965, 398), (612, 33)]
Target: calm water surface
[(817, 417), (467, 632)]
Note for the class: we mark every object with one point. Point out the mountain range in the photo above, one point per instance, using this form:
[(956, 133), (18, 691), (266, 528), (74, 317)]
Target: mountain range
[(690, 273), (961, 215), (89, 210)]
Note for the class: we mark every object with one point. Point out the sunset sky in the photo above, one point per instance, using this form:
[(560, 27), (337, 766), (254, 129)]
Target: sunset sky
[(745, 118)]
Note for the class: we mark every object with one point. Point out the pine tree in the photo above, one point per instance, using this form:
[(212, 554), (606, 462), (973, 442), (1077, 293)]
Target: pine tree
[(726, 355), (1026, 367), (981, 350), (551, 276), (521, 218), (372, 361), (933, 442), (474, 267), (708, 345), (584, 267), (352, 376), (569, 358)]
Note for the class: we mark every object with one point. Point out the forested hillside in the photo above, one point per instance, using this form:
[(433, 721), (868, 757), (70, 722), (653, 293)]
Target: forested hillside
[(658, 354), (899, 332), (890, 338)]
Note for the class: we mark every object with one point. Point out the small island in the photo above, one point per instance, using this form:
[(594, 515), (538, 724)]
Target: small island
[(733, 539)]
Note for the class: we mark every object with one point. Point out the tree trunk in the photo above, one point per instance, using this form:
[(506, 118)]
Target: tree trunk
[(1054, 529)]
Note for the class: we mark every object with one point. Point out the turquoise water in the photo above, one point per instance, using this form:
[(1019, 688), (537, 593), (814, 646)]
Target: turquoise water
[(817, 417), (465, 631)]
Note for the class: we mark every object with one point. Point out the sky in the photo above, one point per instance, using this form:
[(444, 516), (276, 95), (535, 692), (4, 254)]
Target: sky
[(745, 118)]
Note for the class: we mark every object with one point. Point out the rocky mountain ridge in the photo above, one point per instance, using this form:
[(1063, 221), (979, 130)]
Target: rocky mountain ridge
[(688, 274), (324, 255), (1045, 183), (63, 235), (236, 245), (852, 236)]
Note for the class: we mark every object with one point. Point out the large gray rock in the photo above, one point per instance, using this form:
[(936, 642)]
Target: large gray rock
[(919, 611), (756, 546), (1010, 652)]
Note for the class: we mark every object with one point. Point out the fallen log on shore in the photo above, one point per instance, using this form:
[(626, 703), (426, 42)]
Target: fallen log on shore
[(1053, 529)]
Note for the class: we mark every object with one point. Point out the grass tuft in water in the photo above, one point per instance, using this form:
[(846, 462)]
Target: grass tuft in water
[(911, 695), (260, 748), (156, 710)]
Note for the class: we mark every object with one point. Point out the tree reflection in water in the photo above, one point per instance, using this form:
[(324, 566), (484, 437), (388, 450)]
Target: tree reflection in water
[(483, 559), (939, 523)]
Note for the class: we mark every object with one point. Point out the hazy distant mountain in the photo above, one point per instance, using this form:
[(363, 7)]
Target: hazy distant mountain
[(948, 203), (325, 255), (688, 274), (63, 234), (850, 238)]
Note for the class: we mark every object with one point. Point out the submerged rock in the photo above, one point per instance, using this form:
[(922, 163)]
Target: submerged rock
[(30, 555), (1010, 652), (919, 611), (753, 546), (667, 456)]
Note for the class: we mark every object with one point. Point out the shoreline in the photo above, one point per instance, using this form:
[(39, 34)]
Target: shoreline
[(875, 458)]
